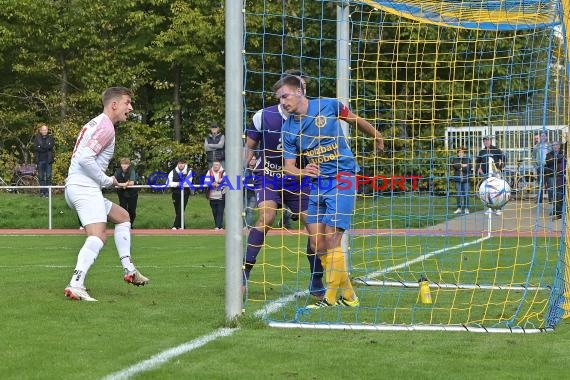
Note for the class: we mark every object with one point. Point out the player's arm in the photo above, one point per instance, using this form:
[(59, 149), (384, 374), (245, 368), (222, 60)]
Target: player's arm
[(290, 156), (93, 171), (250, 146), (501, 159), (290, 168), (254, 134), (364, 126)]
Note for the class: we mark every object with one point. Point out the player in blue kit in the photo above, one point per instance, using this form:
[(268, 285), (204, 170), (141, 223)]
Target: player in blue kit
[(263, 137), (313, 134)]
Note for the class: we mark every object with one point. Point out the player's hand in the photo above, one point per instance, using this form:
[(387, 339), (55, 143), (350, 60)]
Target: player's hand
[(115, 182), (379, 141), (311, 170)]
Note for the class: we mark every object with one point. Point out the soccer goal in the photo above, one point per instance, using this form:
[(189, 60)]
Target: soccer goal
[(419, 70)]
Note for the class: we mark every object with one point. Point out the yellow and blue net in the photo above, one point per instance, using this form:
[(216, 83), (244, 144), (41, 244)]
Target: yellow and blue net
[(475, 14), (433, 76)]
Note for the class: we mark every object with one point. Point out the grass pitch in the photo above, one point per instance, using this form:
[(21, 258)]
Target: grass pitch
[(43, 335)]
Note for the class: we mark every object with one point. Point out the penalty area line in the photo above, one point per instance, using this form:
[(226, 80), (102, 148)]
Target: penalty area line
[(161, 358), (419, 259)]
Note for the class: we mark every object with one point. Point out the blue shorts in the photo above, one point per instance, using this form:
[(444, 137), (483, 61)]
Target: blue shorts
[(332, 202), (282, 193)]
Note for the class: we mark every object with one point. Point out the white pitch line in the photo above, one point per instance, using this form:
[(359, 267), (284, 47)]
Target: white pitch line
[(169, 354), (419, 259), (163, 357), (274, 306)]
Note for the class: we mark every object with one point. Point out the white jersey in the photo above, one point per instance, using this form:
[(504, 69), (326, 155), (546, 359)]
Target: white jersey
[(93, 151)]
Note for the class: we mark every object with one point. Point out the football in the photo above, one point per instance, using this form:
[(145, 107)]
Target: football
[(494, 192)]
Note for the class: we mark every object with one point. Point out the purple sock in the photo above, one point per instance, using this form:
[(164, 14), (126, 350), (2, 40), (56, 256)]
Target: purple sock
[(255, 241), (316, 286), (314, 262)]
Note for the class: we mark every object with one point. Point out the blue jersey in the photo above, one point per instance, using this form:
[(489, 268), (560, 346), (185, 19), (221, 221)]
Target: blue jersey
[(318, 138), (265, 128)]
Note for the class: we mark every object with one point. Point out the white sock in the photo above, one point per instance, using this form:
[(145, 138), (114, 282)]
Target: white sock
[(86, 257), (123, 244)]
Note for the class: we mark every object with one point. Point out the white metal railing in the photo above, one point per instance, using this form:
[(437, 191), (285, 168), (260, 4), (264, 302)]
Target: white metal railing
[(515, 141), (50, 188)]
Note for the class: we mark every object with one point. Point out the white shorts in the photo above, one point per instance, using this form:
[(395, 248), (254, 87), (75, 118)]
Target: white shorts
[(89, 203)]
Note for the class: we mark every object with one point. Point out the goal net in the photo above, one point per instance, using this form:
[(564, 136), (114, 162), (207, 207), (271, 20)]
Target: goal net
[(433, 77)]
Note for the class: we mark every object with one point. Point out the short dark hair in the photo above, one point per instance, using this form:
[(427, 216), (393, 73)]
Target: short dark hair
[(294, 81), (113, 93), (214, 125), (296, 73), (181, 159)]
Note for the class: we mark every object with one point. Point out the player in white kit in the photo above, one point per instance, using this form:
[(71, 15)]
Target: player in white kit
[(86, 177)]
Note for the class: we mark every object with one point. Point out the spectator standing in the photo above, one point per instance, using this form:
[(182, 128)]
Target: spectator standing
[(179, 180), (126, 175), (539, 152), (216, 194), (489, 162), (554, 169), (214, 145), (44, 145), (461, 171)]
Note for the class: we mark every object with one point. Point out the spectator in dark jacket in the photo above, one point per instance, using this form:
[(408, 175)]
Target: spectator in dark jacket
[(126, 175), (44, 145), (554, 169), (180, 179), (214, 145), (489, 162), (460, 174)]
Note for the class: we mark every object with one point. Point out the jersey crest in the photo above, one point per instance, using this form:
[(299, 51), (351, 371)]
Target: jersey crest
[(320, 121)]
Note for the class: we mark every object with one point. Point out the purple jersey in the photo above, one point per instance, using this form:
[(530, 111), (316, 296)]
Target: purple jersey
[(265, 128)]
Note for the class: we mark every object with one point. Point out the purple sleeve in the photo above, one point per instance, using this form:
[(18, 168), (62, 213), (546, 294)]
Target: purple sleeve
[(288, 141)]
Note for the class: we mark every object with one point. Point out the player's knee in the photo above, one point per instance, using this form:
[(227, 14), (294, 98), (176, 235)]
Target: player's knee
[(313, 245), (318, 244), (266, 219), (101, 236), (330, 243), (124, 216)]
